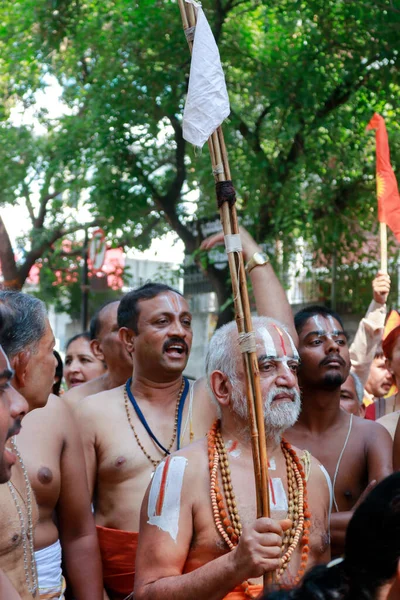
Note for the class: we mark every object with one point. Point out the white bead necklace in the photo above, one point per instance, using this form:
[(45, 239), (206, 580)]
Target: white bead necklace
[(27, 538)]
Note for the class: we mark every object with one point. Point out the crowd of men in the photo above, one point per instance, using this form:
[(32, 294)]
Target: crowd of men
[(139, 483)]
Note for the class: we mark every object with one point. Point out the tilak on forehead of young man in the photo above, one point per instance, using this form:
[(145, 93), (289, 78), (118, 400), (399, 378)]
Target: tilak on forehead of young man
[(326, 326)]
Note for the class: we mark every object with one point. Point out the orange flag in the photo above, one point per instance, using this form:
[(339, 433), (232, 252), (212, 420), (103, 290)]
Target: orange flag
[(386, 184)]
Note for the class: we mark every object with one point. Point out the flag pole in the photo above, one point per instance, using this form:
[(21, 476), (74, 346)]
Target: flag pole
[(383, 239), (226, 203)]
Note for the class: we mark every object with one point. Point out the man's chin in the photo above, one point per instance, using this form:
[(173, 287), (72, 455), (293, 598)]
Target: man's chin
[(333, 381)]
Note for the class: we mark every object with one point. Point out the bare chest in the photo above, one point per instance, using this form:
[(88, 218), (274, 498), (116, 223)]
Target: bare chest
[(128, 451), (18, 518), (343, 455)]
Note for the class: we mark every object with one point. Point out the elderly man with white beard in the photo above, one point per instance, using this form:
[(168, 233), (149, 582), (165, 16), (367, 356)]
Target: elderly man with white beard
[(199, 535)]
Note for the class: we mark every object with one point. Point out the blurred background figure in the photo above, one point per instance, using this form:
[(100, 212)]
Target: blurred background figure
[(352, 396), (58, 374), (81, 365)]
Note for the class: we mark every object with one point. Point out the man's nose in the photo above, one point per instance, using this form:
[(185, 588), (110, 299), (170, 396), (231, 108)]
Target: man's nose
[(18, 405), (331, 345), (286, 376), (177, 328)]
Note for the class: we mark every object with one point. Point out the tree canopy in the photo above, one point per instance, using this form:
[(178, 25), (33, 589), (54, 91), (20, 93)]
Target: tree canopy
[(304, 79)]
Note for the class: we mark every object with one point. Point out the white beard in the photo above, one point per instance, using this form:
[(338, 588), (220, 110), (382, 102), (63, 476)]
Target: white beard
[(276, 418)]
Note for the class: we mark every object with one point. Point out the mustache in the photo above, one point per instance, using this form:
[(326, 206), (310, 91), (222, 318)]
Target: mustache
[(175, 340), (291, 392), (328, 359), (15, 429)]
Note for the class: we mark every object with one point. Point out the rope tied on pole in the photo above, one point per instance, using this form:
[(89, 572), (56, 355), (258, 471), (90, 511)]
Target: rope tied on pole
[(247, 342)]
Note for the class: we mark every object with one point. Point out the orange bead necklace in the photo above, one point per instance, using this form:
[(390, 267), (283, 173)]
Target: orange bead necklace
[(226, 515)]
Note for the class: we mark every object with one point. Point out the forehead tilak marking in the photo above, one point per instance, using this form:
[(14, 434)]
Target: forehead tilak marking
[(293, 347), (282, 341), (269, 343), (174, 302), (322, 329)]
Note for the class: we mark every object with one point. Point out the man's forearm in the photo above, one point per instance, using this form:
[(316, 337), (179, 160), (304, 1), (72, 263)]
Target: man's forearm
[(84, 551), (339, 523), (212, 581), (270, 297)]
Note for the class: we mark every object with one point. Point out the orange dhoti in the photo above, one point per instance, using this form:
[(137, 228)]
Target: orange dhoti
[(118, 556), (253, 591)]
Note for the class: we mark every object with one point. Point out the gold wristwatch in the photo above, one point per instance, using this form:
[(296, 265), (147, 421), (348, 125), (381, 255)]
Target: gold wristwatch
[(257, 260)]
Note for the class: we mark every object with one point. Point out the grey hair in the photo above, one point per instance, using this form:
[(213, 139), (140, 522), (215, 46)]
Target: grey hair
[(359, 387), (221, 354), (26, 325)]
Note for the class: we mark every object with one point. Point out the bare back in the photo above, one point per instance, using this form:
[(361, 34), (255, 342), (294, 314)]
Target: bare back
[(118, 470)]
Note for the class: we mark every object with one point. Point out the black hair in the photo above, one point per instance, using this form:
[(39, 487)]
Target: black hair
[(302, 316), (58, 373), (372, 552), (128, 310), (85, 335), (95, 322)]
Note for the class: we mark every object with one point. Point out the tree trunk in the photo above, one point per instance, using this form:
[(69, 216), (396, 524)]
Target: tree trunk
[(9, 268)]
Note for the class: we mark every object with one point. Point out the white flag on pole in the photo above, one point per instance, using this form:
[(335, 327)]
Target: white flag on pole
[(207, 102)]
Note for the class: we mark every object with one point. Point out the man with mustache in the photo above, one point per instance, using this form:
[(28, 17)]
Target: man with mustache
[(151, 415), (48, 509), (13, 407), (199, 535), (355, 452), (129, 430)]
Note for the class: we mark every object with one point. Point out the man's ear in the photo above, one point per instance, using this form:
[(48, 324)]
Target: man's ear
[(127, 337), (96, 349), (20, 366), (221, 387), (363, 408)]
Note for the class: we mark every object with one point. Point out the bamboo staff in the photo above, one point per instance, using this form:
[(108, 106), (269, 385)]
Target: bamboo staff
[(222, 174), (383, 239)]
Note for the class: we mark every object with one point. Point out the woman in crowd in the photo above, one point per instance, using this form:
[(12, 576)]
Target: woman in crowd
[(80, 363)]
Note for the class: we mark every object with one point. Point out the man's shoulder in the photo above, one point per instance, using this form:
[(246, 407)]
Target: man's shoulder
[(106, 399), (196, 456), (365, 426), (89, 388), (389, 422)]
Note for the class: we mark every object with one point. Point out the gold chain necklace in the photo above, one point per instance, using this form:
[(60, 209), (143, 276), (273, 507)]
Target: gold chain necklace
[(153, 461), (27, 537)]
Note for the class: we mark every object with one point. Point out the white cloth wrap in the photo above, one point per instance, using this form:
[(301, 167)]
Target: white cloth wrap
[(48, 564)]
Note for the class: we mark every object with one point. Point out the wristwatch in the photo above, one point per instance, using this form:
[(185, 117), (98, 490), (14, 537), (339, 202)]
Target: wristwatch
[(257, 260)]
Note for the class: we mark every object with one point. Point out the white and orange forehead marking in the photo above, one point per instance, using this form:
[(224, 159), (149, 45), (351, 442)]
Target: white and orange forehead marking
[(320, 325), (175, 302), (270, 345)]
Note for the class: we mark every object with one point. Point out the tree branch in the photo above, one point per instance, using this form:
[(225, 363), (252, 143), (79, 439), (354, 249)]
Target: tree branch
[(26, 195)]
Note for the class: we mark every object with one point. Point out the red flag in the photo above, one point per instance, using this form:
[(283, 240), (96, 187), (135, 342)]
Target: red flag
[(386, 184)]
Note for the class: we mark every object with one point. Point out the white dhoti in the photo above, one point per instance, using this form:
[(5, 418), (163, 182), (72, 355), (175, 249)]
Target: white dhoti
[(50, 577)]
